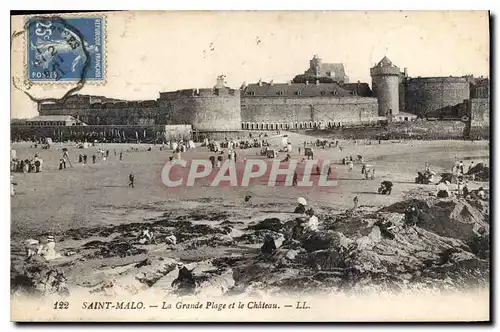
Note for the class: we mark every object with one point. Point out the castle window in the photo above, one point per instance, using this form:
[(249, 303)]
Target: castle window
[(297, 93), (334, 92), (251, 93), (280, 93)]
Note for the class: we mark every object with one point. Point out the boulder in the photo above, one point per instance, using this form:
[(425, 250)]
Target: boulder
[(321, 240), (453, 217), (327, 260), (273, 224)]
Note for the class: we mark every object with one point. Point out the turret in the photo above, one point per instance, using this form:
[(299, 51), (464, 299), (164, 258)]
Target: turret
[(315, 65), (385, 86)]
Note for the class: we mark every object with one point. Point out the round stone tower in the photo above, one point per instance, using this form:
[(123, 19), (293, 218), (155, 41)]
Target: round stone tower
[(385, 86)]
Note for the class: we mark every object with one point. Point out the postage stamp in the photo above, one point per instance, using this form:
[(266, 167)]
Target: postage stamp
[(69, 49)]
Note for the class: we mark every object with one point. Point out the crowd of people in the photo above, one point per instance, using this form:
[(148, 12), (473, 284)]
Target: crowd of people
[(28, 165)]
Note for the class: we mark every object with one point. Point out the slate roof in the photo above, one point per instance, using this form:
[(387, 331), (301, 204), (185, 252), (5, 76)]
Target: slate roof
[(385, 62), (362, 89), (336, 68), (295, 90)]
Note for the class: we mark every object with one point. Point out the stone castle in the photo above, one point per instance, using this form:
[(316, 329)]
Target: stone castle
[(322, 97)]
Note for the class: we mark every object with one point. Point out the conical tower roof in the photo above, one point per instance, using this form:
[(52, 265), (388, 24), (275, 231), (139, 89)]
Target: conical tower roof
[(385, 62)]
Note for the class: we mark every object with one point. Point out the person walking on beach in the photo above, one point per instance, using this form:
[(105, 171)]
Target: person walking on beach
[(131, 180), (93, 159), (121, 155)]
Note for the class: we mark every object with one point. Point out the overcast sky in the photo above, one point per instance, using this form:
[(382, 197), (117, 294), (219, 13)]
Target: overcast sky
[(149, 52)]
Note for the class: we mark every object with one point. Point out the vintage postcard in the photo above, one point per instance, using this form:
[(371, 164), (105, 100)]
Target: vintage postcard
[(314, 166)]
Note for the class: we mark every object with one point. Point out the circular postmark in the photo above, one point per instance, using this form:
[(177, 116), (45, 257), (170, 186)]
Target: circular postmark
[(55, 52)]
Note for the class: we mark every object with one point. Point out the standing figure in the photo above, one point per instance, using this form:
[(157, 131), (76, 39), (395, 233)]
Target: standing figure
[(93, 159), (355, 202), (131, 180)]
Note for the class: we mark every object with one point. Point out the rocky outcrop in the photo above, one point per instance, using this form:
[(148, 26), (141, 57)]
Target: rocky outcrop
[(448, 246)]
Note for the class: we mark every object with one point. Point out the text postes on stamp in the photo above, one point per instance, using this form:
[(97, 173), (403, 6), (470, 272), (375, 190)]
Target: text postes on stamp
[(65, 49)]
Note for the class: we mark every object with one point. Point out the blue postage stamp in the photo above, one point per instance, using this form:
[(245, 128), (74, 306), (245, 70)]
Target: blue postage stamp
[(65, 49)]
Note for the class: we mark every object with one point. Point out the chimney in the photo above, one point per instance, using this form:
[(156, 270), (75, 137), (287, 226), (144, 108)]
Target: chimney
[(405, 70), (271, 83), (317, 82), (307, 82), (260, 82)]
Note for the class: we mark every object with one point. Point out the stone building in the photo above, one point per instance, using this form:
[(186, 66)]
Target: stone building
[(385, 86), (321, 98), (319, 69), (216, 109), (424, 95), (300, 106), (96, 110)]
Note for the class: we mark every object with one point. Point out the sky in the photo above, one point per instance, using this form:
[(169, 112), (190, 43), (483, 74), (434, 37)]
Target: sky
[(149, 52)]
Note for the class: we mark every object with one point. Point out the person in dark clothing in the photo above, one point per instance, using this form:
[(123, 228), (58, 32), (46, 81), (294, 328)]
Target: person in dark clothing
[(412, 216), (107, 154), (465, 190), (131, 179), (60, 164), (121, 154), (80, 158), (93, 159), (212, 161), (300, 209), (355, 202), (298, 229), (269, 246)]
